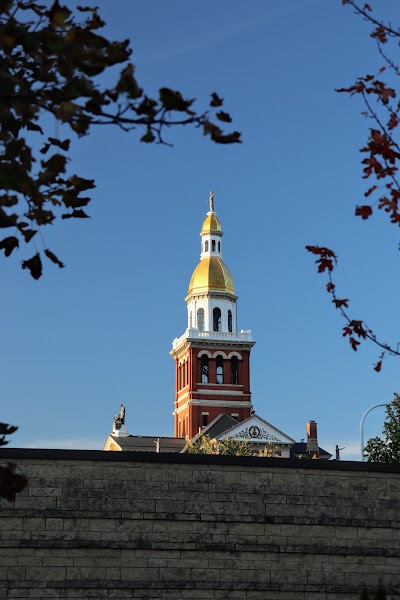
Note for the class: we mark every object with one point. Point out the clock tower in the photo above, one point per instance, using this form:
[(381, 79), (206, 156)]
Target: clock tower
[(212, 358)]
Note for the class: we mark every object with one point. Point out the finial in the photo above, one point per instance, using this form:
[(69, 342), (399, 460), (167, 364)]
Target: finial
[(211, 201)]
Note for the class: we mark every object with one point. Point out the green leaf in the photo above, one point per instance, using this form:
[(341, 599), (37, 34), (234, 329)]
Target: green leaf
[(127, 83), (50, 255), (80, 184), (28, 234), (64, 145), (78, 214), (55, 164), (34, 265), (174, 101), (223, 116), (58, 15), (9, 244), (148, 137), (216, 100)]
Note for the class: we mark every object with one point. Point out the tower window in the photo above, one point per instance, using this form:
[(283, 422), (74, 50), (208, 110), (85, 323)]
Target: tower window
[(220, 369), (234, 370), (204, 369), (200, 319), (219, 246), (190, 321), (206, 246), (230, 320), (213, 245), (217, 319)]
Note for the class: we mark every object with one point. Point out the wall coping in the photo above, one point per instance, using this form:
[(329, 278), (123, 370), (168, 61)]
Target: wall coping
[(14, 454)]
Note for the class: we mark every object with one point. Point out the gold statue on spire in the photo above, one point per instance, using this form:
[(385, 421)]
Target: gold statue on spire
[(211, 201)]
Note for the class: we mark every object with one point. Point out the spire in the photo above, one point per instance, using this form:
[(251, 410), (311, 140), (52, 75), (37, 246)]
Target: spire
[(211, 201)]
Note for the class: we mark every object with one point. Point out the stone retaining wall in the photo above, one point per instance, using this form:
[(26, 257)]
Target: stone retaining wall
[(140, 525)]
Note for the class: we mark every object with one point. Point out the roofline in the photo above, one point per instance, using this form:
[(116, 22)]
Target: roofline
[(266, 423), (15, 454)]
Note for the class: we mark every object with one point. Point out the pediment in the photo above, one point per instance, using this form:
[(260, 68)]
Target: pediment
[(256, 429)]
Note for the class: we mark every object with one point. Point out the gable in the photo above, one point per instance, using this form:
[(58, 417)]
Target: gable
[(256, 429)]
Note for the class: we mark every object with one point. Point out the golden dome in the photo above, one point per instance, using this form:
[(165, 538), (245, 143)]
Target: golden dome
[(211, 274), (211, 224)]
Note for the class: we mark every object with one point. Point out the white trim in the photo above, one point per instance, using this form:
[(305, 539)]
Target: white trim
[(206, 403), (221, 393), (219, 353), (206, 352), (223, 403), (239, 356), (227, 385)]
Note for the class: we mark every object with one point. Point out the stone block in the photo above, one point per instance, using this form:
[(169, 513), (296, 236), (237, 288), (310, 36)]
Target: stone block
[(49, 469), (45, 573), (11, 523), (140, 574), (102, 524), (35, 502)]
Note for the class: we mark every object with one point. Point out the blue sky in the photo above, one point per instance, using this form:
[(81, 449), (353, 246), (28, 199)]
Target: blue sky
[(83, 339)]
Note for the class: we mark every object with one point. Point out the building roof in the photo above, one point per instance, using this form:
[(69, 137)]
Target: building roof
[(257, 429), (300, 448), (211, 224), (219, 425), (211, 274), (147, 443)]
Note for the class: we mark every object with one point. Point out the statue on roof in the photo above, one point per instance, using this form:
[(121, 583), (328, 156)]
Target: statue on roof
[(119, 418), (211, 201)]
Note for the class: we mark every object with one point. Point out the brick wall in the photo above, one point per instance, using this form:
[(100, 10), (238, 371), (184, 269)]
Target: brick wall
[(138, 525)]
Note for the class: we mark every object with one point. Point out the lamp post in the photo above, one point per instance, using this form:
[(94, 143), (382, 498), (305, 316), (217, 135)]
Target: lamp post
[(362, 426)]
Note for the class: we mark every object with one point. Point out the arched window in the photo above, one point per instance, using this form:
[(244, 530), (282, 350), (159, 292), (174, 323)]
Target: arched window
[(220, 369), (200, 319), (206, 246), (219, 246), (204, 368), (234, 370), (230, 320), (217, 319), (213, 245)]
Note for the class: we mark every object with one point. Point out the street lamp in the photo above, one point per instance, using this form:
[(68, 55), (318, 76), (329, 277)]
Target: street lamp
[(362, 426)]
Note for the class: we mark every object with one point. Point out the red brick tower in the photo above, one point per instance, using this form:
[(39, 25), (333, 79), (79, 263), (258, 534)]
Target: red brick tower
[(212, 359)]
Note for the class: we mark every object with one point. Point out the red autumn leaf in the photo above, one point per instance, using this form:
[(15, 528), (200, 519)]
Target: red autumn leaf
[(378, 366), (347, 331), (393, 121), (395, 218), (380, 33), (354, 343), (364, 211), (367, 7), (369, 192), (344, 302), (386, 94), (325, 264), (330, 286), (358, 328)]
